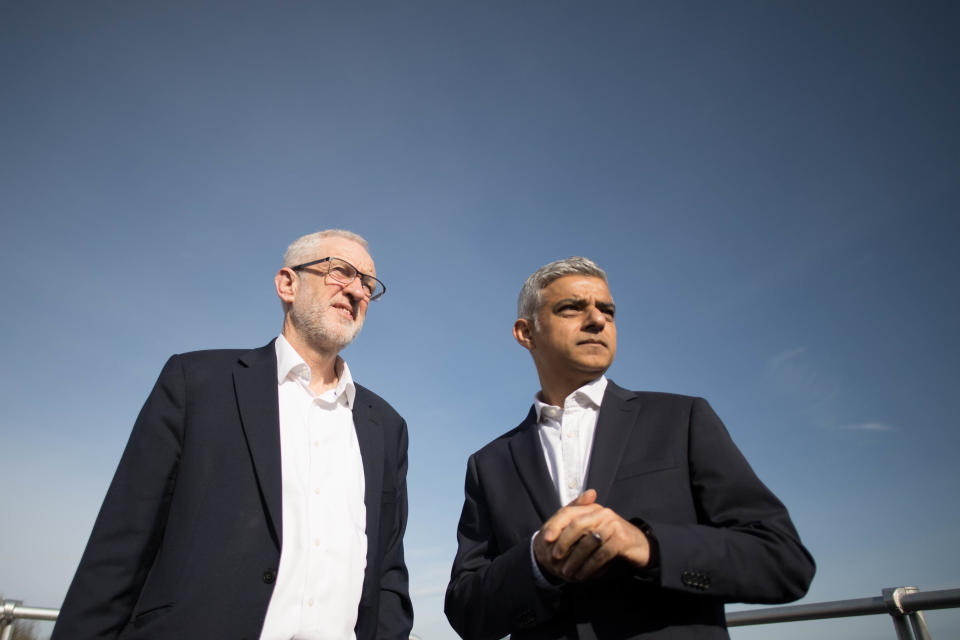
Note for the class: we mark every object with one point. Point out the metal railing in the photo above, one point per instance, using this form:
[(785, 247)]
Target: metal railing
[(13, 610), (904, 605)]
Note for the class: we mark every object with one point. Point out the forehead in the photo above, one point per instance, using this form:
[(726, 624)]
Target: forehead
[(347, 249), (575, 286)]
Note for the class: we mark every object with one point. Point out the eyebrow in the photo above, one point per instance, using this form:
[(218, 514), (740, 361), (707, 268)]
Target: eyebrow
[(605, 306)]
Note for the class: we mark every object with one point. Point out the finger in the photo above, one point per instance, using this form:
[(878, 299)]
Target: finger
[(580, 553), (594, 563), (541, 552), (587, 497), (619, 539), (557, 523), (561, 518), (582, 525)]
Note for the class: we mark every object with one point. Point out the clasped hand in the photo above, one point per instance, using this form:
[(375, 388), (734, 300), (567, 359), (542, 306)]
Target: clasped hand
[(580, 539)]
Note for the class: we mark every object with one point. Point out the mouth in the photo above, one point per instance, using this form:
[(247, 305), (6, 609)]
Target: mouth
[(344, 309), (599, 343)]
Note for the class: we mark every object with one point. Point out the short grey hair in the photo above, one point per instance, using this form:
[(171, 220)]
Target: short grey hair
[(302, 249), (529, 301)]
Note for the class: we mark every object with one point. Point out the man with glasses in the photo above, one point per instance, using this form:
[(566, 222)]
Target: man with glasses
[(262, 493), (664, 519)]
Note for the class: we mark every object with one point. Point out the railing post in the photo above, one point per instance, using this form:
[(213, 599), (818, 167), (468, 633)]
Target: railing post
[(7, 619), (917, 620), (891, 597)]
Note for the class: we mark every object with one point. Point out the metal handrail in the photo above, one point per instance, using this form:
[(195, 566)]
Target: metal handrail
[(902, 604), (13, 610)]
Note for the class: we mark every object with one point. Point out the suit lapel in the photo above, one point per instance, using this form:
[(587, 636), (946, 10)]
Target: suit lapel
[(527, 455), (371, 451), (370, 440), (618, 413), (255, 383)]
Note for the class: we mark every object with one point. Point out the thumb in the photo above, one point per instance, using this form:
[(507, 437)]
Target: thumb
[(587, 497)]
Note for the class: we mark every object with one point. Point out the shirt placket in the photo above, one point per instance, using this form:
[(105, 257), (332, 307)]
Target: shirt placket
[(314, 510), (570, 452)]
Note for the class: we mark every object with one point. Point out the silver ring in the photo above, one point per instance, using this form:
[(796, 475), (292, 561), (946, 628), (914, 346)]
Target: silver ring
[(596, 536)]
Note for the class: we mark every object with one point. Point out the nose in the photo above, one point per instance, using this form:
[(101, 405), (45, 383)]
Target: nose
[(355, 290), (595, 320)]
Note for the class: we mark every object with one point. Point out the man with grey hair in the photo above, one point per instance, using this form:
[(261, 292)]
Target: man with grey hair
[(610, 513), (262, 493)]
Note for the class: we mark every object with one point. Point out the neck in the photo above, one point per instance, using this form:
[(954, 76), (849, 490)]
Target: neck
[(322, 362)]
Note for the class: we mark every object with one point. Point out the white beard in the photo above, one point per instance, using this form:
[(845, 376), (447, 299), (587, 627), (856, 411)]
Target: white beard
[(314, 323)]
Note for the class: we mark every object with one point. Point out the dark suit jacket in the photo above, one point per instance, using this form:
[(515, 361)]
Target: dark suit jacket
[(660, 460), (187, 542)]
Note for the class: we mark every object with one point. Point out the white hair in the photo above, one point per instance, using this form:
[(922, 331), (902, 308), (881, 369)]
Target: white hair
[(530, 299), (301, 250)]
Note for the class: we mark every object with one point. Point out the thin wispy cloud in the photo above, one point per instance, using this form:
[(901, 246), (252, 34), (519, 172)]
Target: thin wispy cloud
[(784, 357), (870, 426)]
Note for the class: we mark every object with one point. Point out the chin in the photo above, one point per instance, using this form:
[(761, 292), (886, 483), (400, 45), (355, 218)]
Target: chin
[(595, 367)]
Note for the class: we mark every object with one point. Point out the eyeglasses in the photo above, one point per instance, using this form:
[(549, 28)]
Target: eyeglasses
[(342, 272)]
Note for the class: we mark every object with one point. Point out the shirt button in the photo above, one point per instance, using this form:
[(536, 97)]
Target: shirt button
[(316, 543), (316, 443), (573, 484), (317, 491), (310, 602), (572, 434)]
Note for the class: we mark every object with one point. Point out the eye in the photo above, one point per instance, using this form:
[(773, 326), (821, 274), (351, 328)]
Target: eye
[(341, 271), (369, 285)]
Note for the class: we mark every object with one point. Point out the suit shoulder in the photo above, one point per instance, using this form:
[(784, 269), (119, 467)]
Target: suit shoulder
[(209, 359), (650, 397), (665, 398), (205, 363), (377, 403), (211, 355), (500, 445)]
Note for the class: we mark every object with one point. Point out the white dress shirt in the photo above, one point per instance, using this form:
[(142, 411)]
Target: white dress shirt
[(566, 435), (324, 548)]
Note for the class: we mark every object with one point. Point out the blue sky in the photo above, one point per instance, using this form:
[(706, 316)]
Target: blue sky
[(773, 189)]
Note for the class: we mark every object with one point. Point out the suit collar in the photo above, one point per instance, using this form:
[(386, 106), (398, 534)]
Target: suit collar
[(528, 458), (590, 394), (291, 363), (618, 413), (255, 384)]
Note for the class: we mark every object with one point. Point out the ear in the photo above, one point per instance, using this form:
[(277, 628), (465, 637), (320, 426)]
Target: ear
[(287, 284), (523, 332)]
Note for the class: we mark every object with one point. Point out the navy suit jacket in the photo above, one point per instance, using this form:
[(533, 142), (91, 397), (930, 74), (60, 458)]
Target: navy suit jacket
[(187, 542), (660, 460)]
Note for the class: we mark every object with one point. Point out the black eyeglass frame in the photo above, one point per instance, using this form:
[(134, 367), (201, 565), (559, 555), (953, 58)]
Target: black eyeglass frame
[(360, 274)]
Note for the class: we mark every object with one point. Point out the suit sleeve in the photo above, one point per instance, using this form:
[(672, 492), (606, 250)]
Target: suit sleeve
[(743, 548), (395, 619), (492, 592), (127, 532)]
